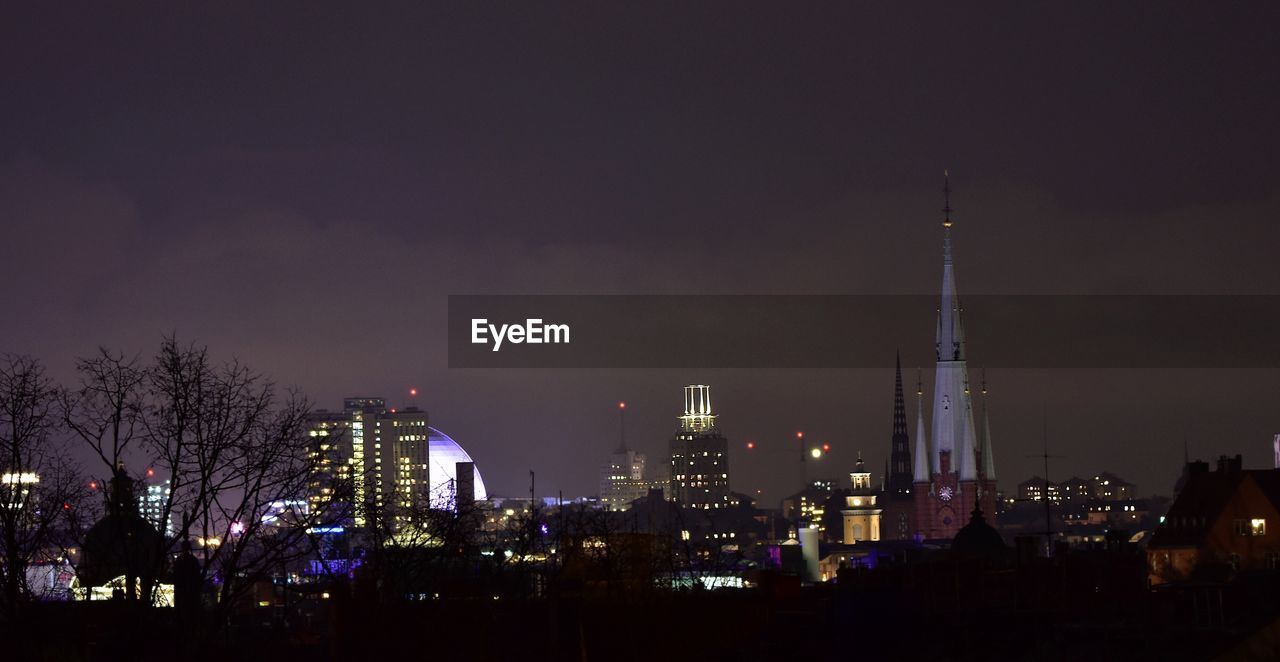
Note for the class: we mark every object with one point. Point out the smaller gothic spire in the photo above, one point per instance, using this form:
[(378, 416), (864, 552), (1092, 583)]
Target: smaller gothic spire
[(920, 472), (988, 455), (899, 406)]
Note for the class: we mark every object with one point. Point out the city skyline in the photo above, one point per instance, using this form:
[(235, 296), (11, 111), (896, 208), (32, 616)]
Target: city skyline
[(715, 331)]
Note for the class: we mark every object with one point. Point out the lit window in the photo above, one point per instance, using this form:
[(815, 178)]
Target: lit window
[(1258, 527)]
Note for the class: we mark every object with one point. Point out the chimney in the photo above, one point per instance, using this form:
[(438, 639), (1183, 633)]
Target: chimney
[(1230, 464)]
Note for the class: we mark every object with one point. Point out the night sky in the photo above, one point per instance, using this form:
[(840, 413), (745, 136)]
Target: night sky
[(302, 188)]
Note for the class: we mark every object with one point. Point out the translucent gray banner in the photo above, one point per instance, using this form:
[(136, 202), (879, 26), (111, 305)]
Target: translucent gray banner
[(821, 331)]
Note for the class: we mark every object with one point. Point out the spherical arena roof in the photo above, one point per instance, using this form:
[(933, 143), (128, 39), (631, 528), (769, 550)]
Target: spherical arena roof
[(444, 455)]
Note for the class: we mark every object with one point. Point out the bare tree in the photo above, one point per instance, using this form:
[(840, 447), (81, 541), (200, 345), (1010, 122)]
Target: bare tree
[(103, 411), (37, 480), (235, 449)]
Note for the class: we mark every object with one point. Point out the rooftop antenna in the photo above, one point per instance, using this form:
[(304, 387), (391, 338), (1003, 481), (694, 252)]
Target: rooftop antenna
[(622, 427), (1048, 516)]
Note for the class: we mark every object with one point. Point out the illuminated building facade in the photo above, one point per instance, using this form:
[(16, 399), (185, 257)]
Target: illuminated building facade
[(699, 454), (331, 488), (17, 490), (1035, 489), (861, 514), (808, 507), (954, 475), (151, 506), (1105, 486), (622, 480)]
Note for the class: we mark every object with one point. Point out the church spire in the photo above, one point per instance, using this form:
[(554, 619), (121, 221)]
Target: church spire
[(899, 405), (899, 471), (988, 456), (950, 332), (921, 470), (953, 419), (967, 460)]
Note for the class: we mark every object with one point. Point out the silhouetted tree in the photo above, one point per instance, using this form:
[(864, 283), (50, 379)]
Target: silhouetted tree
[(38, 482)]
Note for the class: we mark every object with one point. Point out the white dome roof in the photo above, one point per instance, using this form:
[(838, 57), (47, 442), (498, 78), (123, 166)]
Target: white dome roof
[(444, 455)]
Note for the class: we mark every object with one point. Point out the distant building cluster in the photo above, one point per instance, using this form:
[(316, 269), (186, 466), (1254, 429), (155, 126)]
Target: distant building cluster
[(373, 458), (626, 476), (1105, 486)]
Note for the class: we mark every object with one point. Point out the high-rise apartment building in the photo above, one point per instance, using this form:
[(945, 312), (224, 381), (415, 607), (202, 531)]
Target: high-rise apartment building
[(151, 504), (378, 463)]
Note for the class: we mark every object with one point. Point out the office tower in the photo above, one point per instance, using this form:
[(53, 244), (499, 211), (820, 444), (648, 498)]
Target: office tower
[(699, 454)]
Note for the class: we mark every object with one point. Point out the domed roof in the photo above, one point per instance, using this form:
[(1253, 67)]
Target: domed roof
[(444, 455), (978, 539)]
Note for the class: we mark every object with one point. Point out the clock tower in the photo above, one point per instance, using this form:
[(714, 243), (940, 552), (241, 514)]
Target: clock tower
[(953, 472)]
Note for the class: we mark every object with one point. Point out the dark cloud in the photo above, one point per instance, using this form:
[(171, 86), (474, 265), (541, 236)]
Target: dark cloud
[(302, 187)]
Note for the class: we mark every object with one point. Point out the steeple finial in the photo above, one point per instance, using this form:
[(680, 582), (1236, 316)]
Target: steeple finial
[(919, 383), (946, 193), (946, 217)]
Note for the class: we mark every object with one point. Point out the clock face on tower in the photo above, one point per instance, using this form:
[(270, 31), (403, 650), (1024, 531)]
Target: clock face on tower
[(945, 493)]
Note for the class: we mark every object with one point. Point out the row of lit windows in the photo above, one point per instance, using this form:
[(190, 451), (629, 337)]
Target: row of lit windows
[(1251, 527)]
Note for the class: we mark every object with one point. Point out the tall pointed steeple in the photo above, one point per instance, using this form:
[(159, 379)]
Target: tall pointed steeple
[(921, 470), (899, 472), (953, 424)]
